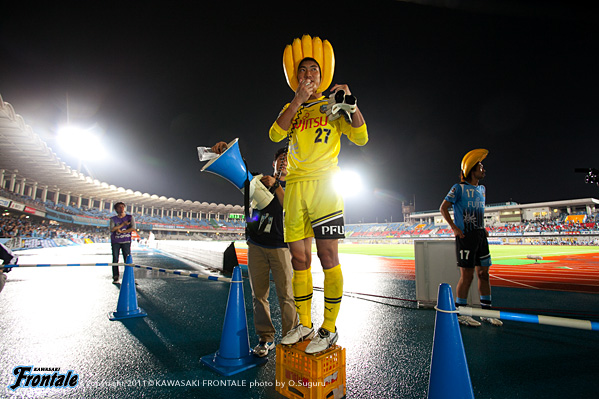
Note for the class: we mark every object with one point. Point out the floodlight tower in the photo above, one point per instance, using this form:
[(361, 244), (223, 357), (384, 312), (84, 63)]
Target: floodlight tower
[(82, 143)]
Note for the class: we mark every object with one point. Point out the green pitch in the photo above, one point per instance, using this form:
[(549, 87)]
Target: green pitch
[(498, 252)]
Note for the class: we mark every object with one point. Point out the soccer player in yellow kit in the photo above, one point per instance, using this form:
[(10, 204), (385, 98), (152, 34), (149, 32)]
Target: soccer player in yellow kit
[(312, 207)]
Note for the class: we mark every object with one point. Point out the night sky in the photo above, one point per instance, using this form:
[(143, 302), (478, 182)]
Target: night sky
[(519, 78)]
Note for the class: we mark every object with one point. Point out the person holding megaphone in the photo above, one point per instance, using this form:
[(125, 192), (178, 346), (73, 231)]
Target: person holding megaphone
[(268, 252)]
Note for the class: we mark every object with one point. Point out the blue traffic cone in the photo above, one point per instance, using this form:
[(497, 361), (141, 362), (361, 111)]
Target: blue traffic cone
[(126, 307), (234, 354), (449, 376)]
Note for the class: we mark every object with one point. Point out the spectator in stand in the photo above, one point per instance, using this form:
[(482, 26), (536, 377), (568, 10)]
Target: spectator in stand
[(121, 227)]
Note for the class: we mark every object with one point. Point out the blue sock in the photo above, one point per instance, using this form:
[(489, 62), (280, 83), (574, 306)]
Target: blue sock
[(461, 302)]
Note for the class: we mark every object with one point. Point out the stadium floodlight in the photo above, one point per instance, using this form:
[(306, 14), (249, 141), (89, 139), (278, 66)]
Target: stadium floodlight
[(85, 144), (348, 183)]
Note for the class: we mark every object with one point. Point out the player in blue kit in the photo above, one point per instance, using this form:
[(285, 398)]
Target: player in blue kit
[(468, 224)]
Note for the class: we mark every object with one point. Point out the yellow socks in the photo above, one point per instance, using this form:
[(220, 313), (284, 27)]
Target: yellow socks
[(302, 293), (333, 292)]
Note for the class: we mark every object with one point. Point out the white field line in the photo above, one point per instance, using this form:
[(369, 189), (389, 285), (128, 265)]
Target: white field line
[(551, 278), (543, 254), (561, 272), (515, 282)]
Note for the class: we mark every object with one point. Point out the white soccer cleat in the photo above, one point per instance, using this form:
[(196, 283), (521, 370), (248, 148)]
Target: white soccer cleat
[(492, 321), (298, 334), (322, 341), (468, 321), (262, 349)]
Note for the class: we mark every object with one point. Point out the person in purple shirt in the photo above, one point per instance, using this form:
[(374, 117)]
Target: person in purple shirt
[(121, 227)]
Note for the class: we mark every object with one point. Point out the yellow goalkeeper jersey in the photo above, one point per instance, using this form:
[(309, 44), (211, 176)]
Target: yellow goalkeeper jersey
[(315, 141)]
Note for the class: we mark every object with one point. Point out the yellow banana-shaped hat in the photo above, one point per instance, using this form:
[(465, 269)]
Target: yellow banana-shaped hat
[(308, 47), (471, 159)]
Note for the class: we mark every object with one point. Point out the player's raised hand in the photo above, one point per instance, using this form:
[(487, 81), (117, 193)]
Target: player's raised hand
[(219, 147)]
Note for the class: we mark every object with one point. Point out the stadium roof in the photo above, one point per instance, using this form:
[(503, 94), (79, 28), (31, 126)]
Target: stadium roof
[(25, 154)]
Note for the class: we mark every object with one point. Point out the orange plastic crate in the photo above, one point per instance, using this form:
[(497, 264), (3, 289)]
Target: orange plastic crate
[(301, 376)]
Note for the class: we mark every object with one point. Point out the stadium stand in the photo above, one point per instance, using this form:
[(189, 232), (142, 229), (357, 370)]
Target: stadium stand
[(79, 224), (563, 232)]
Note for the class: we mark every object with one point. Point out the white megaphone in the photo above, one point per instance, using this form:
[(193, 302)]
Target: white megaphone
[(231, 166)]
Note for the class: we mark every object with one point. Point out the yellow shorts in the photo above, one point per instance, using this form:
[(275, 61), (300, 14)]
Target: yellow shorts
[(313, 208)]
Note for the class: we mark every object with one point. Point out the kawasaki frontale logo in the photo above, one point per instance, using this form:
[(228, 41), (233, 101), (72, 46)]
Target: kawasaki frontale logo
[(24, 378)]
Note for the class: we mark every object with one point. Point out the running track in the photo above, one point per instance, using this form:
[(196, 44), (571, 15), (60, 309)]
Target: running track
[(572, 273)]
